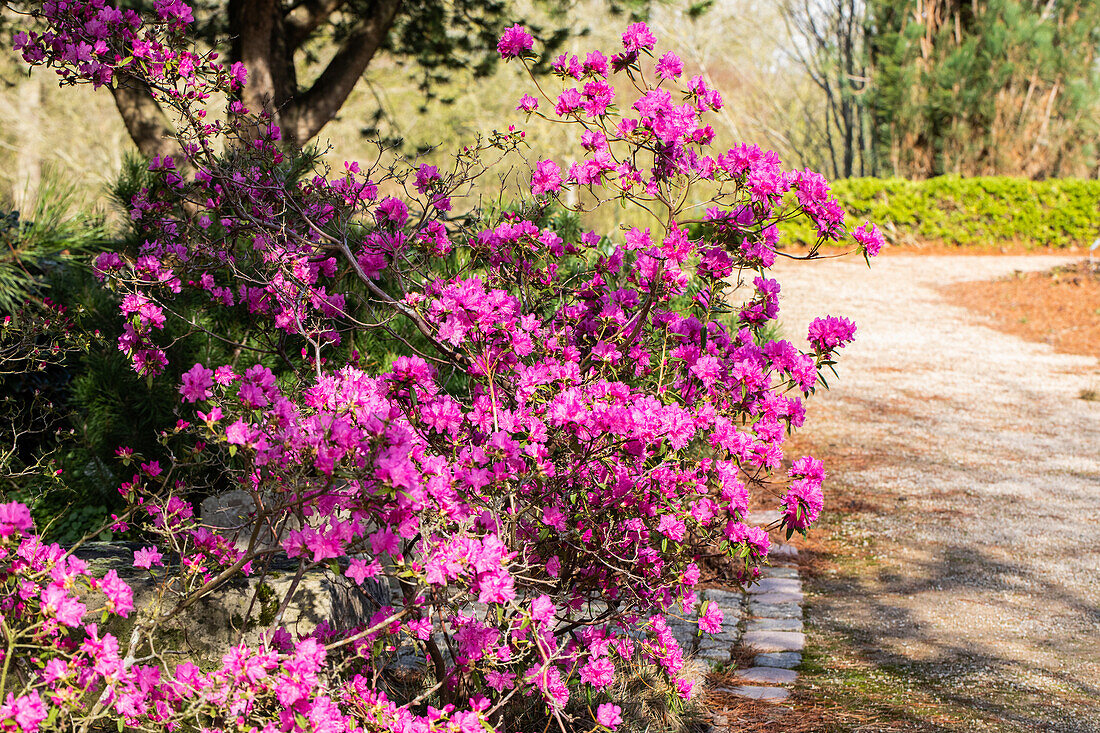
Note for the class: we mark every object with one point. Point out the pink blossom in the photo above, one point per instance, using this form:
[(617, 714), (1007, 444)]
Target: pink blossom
[(669, 66), (599, 673), (638, 37), (28, 711), (14, 517), (542, 609), (393, 210), (57, 602), (711, 620), (870, 237), (802, 503), (360, 569), (609, 715), (120, 598), (516, 41), (147, 557), (546, 178), (831, 332)]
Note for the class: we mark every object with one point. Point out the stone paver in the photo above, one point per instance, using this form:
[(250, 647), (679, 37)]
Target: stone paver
[(786, 660), (778, 572), (724, 598), (714, 654), (778, 597), (775, 641), (774, 624), (783, 552), (767, 675), (773, 627), (775, 585), (775, 610), (754, 692)]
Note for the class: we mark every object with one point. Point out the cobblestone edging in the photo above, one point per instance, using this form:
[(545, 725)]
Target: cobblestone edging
[(766, 618)]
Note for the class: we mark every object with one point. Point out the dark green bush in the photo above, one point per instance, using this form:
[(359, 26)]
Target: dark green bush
[(985, 212)]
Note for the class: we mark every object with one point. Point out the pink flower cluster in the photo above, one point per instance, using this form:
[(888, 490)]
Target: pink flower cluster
[(571, 415)]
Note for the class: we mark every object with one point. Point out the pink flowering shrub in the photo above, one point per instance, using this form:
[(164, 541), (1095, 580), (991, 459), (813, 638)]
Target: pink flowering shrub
[(526, 479)]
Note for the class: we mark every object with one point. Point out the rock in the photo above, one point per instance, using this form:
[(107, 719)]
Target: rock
[(775, 585), (714, 653), (774, 641), (214, 623), (774, 624), (766, 694), (783, 552), (229, 514), (763, 518), (767, 675), (786, 660), (779, 572), (775, 610), (776, 598), (726, 599)]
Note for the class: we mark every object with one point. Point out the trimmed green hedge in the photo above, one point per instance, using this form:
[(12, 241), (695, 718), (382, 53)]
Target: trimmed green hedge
[(973, 212)]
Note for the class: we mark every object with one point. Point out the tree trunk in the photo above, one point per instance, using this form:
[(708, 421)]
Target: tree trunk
[(260, 42), (323, 100)]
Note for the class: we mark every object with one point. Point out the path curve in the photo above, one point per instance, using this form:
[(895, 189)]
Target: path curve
[(985, 468)]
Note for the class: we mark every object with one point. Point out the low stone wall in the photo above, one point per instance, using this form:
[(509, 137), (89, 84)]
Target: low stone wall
[(230, 614)]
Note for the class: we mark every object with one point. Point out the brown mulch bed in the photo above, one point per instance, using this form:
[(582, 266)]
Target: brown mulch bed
[(1060, 307)]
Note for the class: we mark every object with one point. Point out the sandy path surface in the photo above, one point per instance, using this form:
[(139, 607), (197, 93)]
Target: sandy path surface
[(983, 465)]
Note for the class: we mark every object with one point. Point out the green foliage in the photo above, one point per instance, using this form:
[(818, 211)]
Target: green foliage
[(973, 212), (35, 242)]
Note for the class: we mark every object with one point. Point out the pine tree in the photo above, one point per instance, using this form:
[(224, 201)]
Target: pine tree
[(981, 87)]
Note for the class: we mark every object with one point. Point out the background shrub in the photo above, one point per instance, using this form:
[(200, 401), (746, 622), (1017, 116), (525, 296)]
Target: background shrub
[(981, 212)]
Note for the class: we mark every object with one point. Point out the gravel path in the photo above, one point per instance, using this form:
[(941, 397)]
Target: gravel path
[(983, 578)]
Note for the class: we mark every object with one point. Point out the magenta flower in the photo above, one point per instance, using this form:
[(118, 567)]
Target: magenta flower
[(802, 503), (711, 620), (393, 210), (14, 517), (546, 178), (516, 41), (57, 602), (599, 673), (360, 569), (609, 715), (28, 711), (542, 609), (638, 37), (120, 598), (527, 103), (147, 557), (669, 66), (831, 332), (568, 102), (870, 237)]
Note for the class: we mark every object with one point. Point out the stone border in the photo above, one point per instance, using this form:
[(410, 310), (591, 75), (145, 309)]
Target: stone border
[(772, 611), (773, 629)]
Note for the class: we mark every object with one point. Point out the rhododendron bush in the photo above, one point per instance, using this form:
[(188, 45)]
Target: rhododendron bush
[(573, 423)]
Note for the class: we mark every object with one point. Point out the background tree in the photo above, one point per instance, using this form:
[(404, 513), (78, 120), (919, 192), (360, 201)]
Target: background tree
[(920, 88), (304, 57), (829, 43), (986, 87)]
